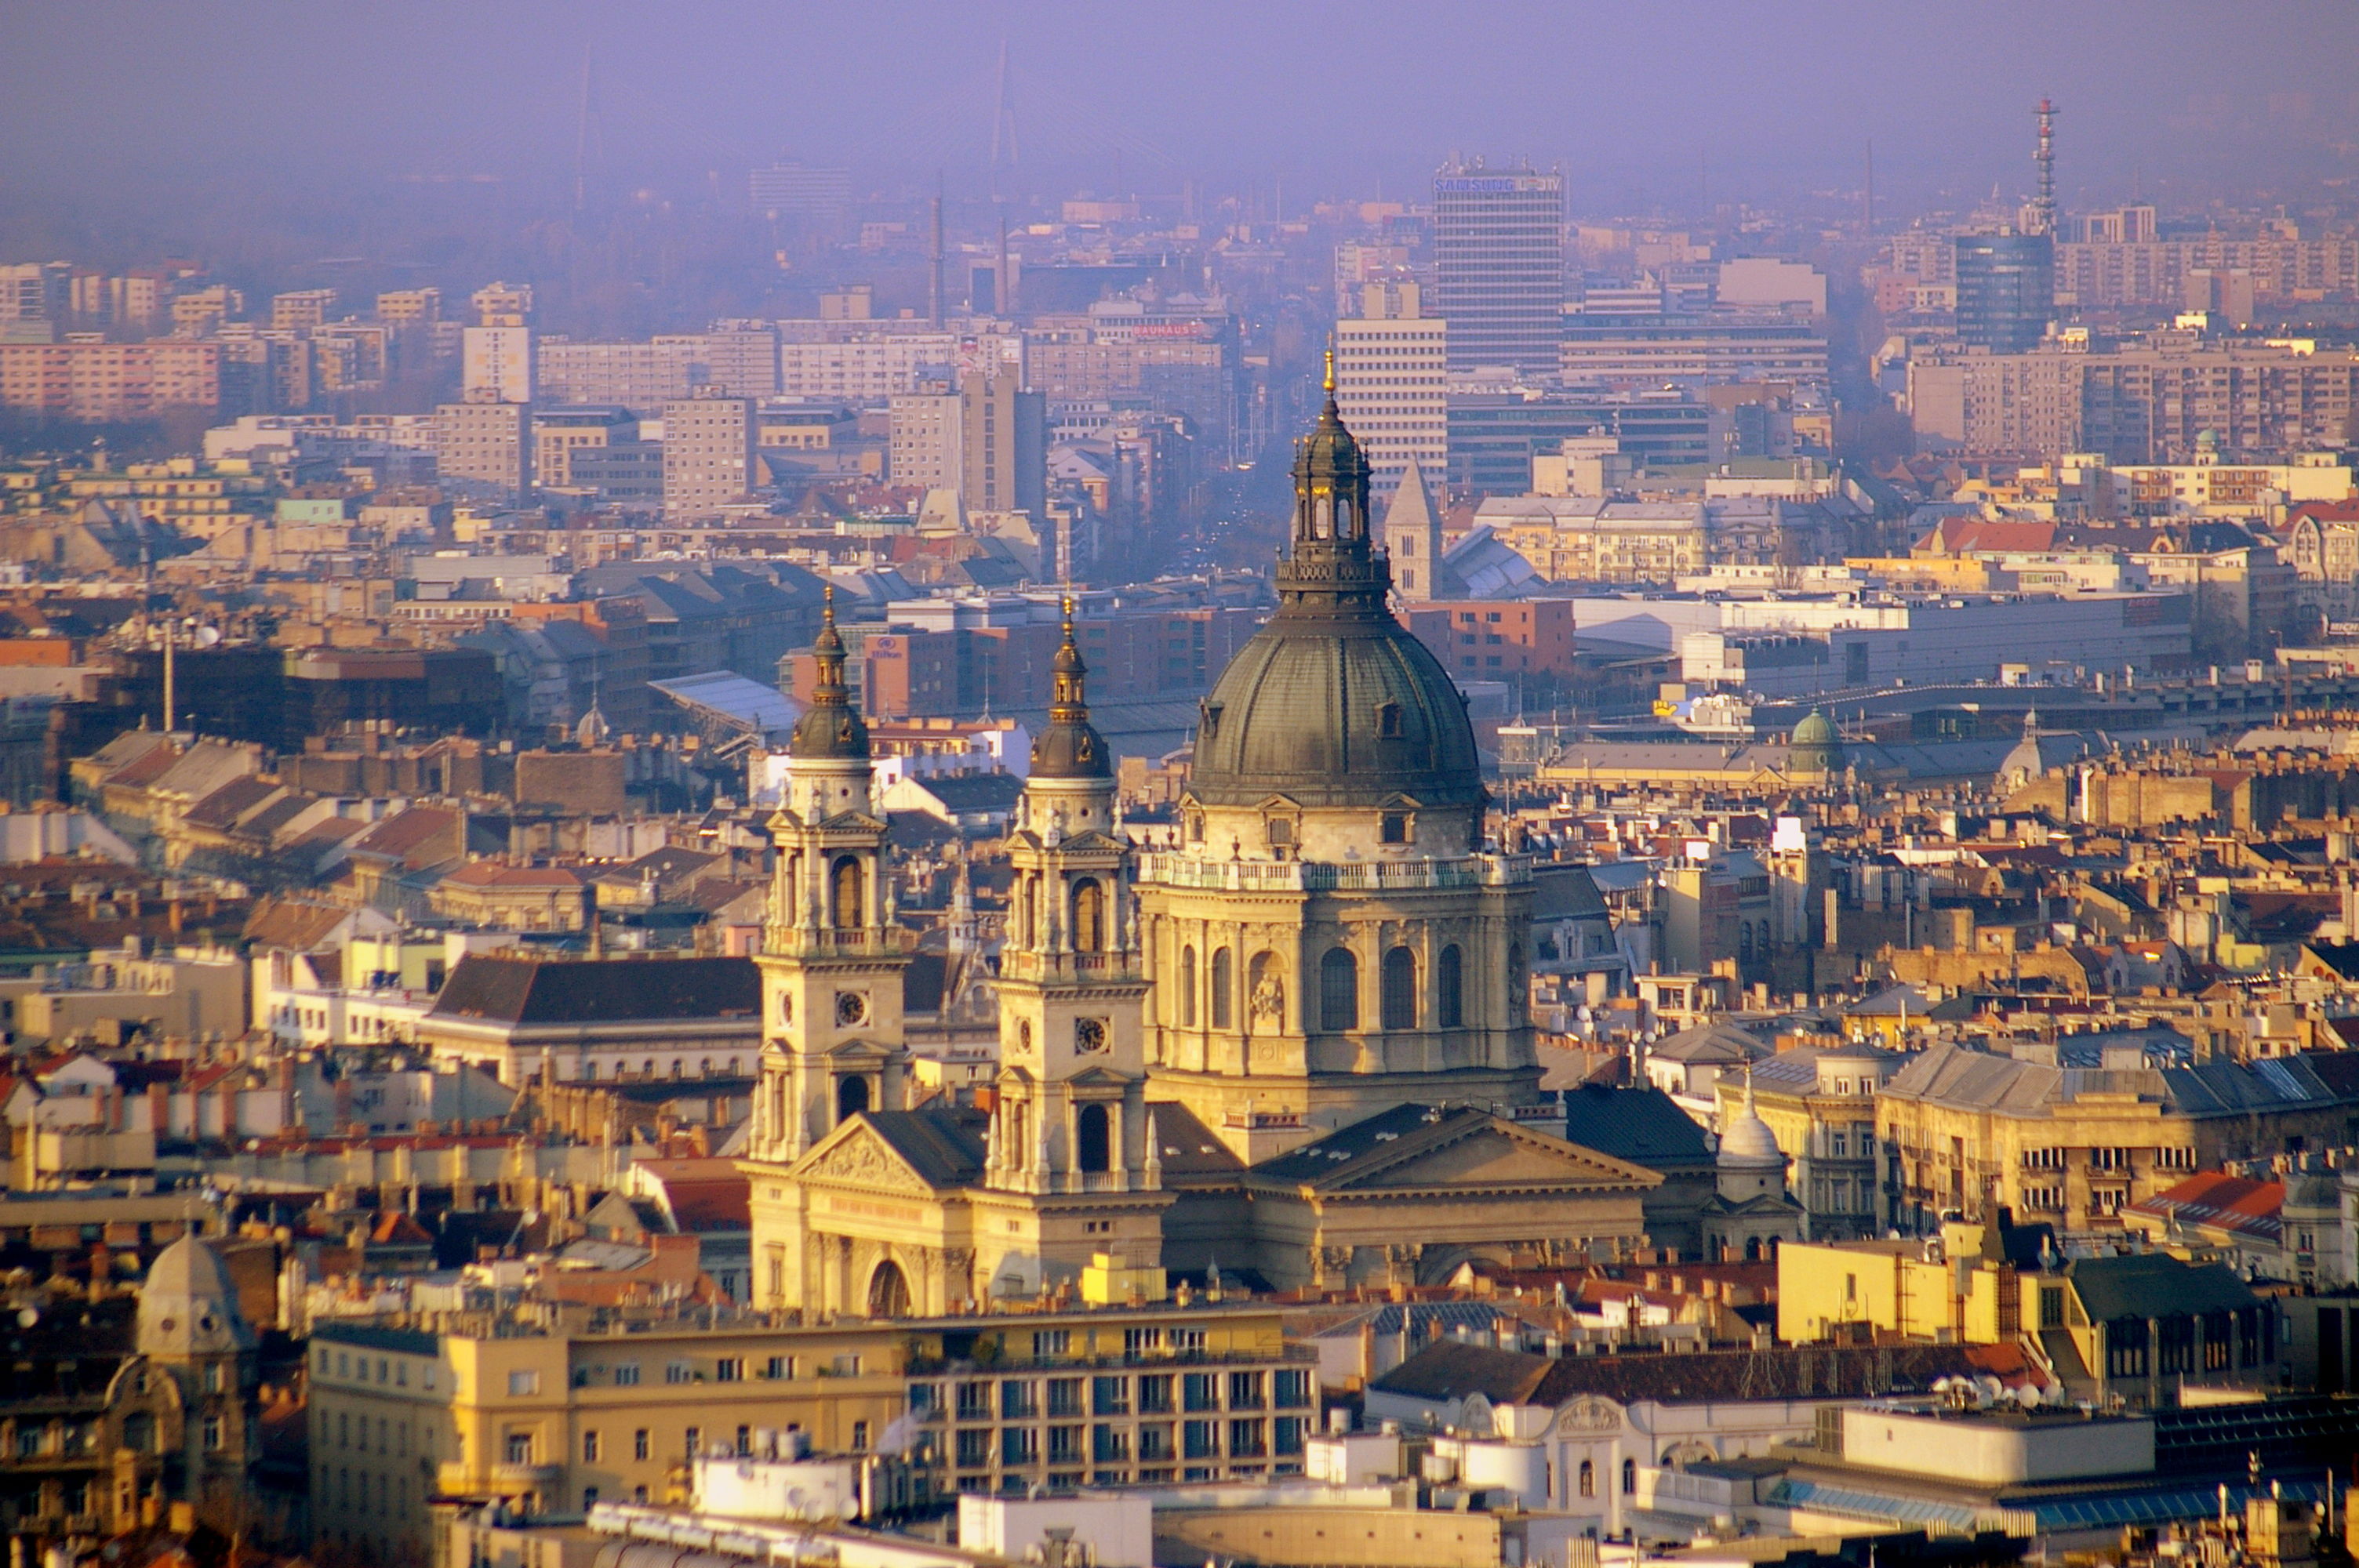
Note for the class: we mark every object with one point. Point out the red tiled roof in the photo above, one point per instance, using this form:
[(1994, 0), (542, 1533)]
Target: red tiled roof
[(2237, 1204)]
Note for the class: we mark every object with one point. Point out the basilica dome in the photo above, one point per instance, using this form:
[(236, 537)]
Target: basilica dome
[(1333, 703)]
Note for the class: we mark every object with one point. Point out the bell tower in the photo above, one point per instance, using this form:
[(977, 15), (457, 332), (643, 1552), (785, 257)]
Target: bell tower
[(1071, 1184), (832, 952)]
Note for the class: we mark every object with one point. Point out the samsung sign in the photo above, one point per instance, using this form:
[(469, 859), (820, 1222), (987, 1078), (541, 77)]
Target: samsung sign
[(1497, 182)]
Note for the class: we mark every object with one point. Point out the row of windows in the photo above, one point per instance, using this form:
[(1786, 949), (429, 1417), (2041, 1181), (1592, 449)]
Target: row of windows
[(1017, 1447), (391, 1371), (1152, 1393)]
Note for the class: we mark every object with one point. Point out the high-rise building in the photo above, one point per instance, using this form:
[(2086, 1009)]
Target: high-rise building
[(709, 454), (489, 443), (1004, 446), (1392, 376), (1499, 265), (2006, 290), (496, 364)]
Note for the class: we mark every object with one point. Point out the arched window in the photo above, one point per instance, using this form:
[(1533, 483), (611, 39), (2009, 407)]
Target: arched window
[(888, 1292), (1753, 1249), (850, 909), (1745, 941), (1629, 1476), (1587, 1479), (1188, 987), (1396, 995), (1224, 985), (1089, 912), (1449, 989), (851, 1094), (1339, 989), (1092, 1138)]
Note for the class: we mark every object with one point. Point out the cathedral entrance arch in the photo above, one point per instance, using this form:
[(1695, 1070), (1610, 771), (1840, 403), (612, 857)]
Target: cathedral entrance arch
[(888, 1290)]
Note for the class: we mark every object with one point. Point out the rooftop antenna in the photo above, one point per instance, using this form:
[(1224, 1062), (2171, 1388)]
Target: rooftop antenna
[(1003, 125), (934, 299), (2043, 205), (581, 137)]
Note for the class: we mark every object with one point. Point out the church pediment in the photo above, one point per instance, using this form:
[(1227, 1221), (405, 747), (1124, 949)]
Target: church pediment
[(1098, 1078), (856, 1155), (1403, 1151), (850, 821), (858, 1051)]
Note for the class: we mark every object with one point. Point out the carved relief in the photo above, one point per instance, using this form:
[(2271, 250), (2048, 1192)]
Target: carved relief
[(860, 1162), (1588, 1416)]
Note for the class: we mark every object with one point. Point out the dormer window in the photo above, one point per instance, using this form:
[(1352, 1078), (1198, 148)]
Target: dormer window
[(1394, 828), (1388, 720), (1281, 832)]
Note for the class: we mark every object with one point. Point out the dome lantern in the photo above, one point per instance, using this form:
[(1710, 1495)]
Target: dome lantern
[(831, 728)]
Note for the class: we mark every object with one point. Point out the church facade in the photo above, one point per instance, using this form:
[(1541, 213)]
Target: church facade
[(1294, 1045)]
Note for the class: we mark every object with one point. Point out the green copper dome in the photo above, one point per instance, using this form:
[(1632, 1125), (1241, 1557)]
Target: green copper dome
[(1333, 703), (1815, 746)]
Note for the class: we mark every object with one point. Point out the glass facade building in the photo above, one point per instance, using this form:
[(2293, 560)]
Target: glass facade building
[(2006, 291)]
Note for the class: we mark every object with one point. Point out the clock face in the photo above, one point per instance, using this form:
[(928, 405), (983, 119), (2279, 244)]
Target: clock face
[(1088, 1034), (850, 1007)]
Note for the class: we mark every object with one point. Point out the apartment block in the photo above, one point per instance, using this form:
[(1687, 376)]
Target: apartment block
[(640, 376), (551, 1420), (496, 364), (489, 443), (710, 459), (1392, 385), (925, 440), (109, 380), (1004, 444)]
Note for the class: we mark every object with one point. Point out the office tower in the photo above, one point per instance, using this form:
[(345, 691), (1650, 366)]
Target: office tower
[(709, 454), (488, 443), (1391, 383), (2006, 290), (1004, 444), (495, 364), (1499, 265), (2007, 283)]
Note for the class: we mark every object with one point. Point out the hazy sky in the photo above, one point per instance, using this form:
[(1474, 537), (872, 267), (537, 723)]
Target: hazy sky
[(1639, 102)]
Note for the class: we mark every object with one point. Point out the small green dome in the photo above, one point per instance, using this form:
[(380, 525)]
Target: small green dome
[(1815, 746)]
